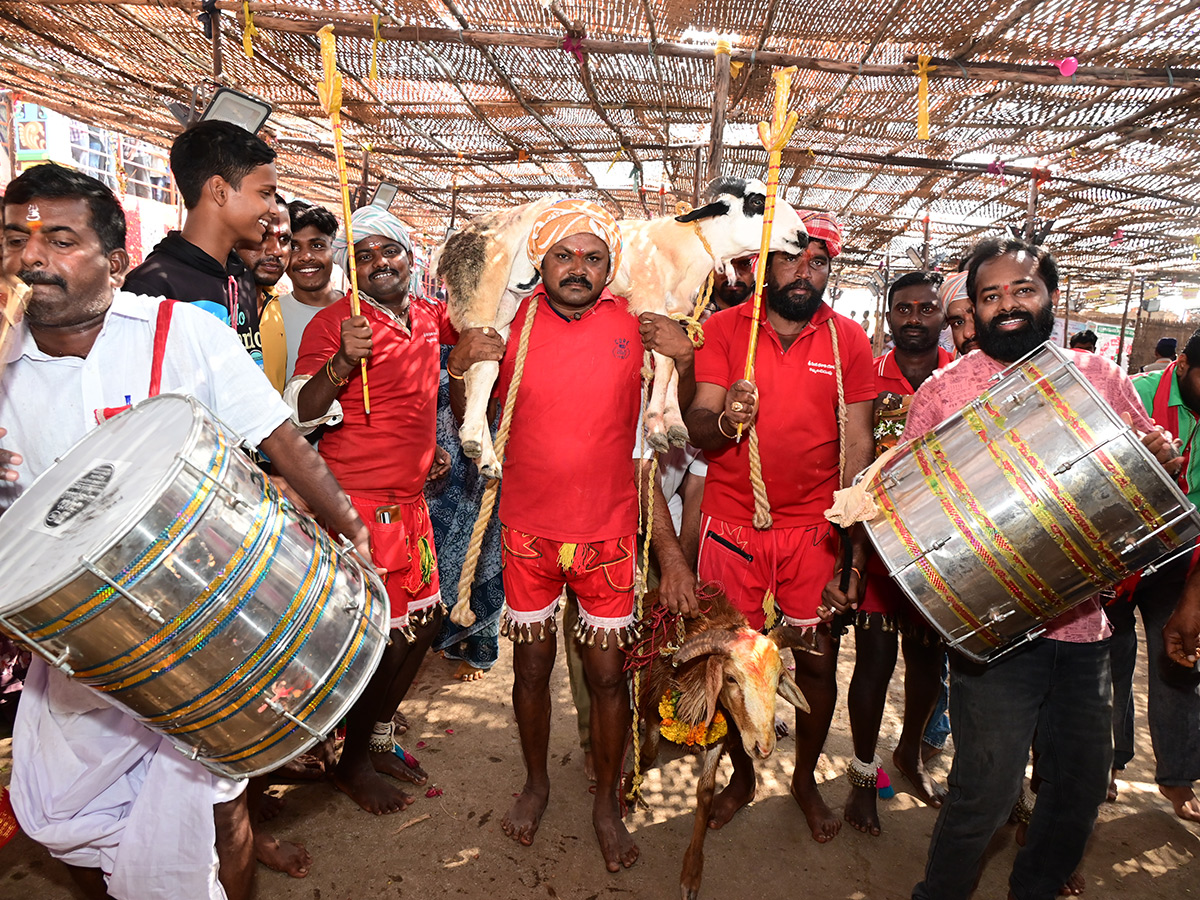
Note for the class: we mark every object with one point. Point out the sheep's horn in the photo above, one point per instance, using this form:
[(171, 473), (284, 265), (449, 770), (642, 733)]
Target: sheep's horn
[(716, 641), (790, 691), (789, 636)]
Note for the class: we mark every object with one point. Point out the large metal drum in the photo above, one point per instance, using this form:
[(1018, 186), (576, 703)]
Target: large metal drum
[(1032, 499), (154, 563)]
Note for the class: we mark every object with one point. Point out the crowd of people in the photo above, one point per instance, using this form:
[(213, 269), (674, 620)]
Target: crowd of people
[(135, 819)]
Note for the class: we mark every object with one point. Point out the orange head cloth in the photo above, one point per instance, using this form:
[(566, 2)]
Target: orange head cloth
[(568, 217), (824, 226)]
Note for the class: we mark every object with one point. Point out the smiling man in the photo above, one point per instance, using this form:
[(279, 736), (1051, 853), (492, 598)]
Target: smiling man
[(310, 268), (1055, 692), (382, 461), (226, 176)]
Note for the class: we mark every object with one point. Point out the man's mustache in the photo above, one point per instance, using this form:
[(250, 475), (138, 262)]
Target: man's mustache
[(576, 279), (798, 285), (32, 277), (1016, 316)]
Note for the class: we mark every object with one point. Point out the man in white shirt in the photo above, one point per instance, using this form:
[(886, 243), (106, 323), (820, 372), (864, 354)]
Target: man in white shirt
[(128, 813)]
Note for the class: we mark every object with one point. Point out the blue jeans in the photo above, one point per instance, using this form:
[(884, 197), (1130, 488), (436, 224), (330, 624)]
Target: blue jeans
[(938, 728), (1173, 706), (1062, 692)]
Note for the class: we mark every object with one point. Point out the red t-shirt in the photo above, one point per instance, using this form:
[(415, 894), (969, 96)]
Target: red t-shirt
[(568, 467), (888, 376), (797, 413), (385, 456)]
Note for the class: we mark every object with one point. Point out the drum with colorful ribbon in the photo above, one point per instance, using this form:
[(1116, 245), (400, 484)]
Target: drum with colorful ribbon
[(155, 563), (1032, 499)]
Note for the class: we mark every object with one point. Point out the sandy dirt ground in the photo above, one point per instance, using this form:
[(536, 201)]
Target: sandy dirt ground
[(452, 845)]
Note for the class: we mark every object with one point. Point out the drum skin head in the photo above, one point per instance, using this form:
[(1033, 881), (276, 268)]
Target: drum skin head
[(91, 497)]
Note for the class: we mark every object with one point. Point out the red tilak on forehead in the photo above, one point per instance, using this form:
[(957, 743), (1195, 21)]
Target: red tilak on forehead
[(33, 217)]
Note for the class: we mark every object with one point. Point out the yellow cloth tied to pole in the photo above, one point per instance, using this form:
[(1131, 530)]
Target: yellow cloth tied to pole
[(373, 74), (923, 70), (249, 32)]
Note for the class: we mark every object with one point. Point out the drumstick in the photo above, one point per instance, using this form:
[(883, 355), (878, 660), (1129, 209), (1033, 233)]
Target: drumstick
[(330, 91), (15, 294)]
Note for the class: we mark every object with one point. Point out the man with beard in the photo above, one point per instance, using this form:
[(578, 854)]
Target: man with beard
[(916, 318), (267, 260), (99, 789), (731, 290), (792, 403), (382, 462), (226, 176), (569, 505), (1058, 687), (960, 313), (1172, 398)]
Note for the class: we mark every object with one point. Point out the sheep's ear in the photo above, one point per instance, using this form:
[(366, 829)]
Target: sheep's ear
[(714, 675), (790, 691), (709, 211)]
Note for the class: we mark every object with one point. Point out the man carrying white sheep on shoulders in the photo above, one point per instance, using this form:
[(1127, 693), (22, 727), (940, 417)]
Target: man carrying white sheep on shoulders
[(569, 504)]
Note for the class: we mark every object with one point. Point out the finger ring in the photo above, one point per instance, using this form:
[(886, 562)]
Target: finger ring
[(487, 330), (736, 407)]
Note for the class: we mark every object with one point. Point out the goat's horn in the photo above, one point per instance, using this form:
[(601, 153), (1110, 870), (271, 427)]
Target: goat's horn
[(717, 641), (789, 636), (790, 691)]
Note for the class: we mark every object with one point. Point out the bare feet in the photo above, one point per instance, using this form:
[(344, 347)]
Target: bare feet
[(861, 811), (1187, 807), (616, 844), (282, 856), (1074, 886), (1112, 788), (926, 790), (400, 721), (305, 767), (821, 820), (781, 727), (364, 786), (404, 768), (268, 806), (523, 818), (467, 672), (1019, 835), (737, 794), (928, 751), (589, 766)]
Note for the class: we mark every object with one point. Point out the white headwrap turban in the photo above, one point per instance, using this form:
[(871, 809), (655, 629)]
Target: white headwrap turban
[(368, 221)]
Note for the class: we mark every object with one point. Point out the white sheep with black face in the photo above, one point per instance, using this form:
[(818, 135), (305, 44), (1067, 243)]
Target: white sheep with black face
[(664, 264)]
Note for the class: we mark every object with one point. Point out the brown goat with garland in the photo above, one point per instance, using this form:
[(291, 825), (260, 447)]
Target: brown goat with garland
[(719, 685)]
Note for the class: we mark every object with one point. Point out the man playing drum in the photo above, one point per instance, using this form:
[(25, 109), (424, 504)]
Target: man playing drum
[(382, 459), (1058, 686), (793, 404), (102, 792)]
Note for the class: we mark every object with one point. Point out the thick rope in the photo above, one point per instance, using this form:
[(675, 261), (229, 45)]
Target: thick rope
[(645, 522), (462, 613), (841, 404), (762, 506)]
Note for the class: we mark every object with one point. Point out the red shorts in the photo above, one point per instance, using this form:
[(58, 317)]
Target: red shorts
[(883, 596), (403, 546), (536, 569), (791, 564)]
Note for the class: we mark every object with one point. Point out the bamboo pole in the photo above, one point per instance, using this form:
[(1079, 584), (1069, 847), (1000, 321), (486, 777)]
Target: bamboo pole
[(720, 102), (330, 90), (1125, 320)]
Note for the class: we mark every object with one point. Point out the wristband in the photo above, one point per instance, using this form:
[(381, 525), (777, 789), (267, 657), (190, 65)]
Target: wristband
[(852, 569), (333, 376), (452, 375), (732, 437)]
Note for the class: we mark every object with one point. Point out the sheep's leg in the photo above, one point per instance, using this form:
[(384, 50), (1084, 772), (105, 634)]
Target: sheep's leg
[(656, 428), (693, 860), (677, 433), (474, 434)]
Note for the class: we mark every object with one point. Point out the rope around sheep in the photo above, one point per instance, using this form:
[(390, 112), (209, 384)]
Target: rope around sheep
[(462, 613)]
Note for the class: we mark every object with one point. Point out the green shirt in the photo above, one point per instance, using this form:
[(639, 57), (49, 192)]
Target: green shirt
[(1147, 384)]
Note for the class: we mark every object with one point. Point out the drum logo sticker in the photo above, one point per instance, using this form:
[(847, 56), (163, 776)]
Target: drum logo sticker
[(82, 492)]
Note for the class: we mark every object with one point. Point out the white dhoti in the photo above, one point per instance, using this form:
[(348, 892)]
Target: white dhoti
[(98, 789)]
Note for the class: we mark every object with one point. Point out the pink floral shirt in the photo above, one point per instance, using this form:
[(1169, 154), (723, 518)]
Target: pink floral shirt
[(950, 389)]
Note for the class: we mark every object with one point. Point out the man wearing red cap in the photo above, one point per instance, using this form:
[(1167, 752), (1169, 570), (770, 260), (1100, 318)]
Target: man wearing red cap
[(792, 404)]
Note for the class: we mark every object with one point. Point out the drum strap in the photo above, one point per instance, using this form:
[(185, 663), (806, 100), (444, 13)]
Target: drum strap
[(162, 328)]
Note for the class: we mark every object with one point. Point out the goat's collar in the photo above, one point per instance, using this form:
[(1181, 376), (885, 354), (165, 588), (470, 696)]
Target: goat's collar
[(707, 246)]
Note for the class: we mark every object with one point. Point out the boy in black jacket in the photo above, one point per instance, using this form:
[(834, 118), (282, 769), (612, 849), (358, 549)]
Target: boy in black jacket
[(226, 176)]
